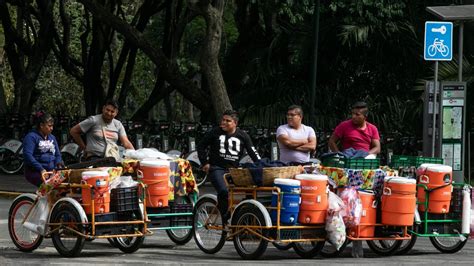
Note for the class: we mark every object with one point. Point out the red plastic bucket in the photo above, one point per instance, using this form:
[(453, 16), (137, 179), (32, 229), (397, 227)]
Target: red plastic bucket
[(398, 201), (439, 178), (156, 175), (99, 180), (314, 198)]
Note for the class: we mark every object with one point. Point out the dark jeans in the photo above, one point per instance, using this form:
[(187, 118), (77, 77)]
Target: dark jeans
[(33, 176), (216, 175)]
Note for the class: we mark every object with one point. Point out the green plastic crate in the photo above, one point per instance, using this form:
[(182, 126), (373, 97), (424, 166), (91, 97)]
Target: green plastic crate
[(335, 161), (361, 163), (402, 161), (421, 160)]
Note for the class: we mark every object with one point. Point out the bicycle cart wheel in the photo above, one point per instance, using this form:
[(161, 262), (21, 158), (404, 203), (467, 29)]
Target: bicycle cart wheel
[(65, 236), (282, 246), (131, 244), (384, 247), (180, 236), (329, 251), (11, 163), (199, 175), (448, 244), (206, 216), (308, 250), (406, 245), (249, 242), (24, 239)]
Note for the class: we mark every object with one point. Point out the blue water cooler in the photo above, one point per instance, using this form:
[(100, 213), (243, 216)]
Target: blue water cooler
[(290, 201)]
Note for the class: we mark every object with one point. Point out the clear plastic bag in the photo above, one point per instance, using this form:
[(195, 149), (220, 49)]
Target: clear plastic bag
[(36, 220), (335, 228), (353, 207)]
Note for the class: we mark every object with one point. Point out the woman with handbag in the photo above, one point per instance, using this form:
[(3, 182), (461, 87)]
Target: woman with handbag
[(40, 149), (102, 133)]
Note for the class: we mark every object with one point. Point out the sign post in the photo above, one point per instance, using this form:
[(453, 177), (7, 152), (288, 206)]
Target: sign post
[(438, 46)]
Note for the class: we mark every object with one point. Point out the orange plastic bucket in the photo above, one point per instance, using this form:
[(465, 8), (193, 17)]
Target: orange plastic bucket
[(439, 178), (368, 216), (99, 180), (398, 201), (314, 198), (156, 175)]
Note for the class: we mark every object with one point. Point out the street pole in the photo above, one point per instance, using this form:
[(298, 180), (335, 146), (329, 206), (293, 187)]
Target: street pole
[(314, 63), (433, 140), (461, 37)]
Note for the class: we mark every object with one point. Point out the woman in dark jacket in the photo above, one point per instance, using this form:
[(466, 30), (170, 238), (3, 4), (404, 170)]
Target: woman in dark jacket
[(40, 149)]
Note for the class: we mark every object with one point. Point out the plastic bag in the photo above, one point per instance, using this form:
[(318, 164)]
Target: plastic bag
[(353, 207), (36, 220), (123, 181), (335, 228)]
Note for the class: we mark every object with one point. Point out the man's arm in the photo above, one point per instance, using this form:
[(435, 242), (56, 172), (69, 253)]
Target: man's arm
[(291, 143), (374, 146), (308, 147), (251, 150), (126, 142), (76, 132), (333, 143)]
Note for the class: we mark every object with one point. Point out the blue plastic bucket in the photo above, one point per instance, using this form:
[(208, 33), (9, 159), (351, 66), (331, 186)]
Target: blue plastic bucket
[(290, 200)]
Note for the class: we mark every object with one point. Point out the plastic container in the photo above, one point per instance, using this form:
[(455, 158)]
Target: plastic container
[(398, 201), (439, 179), (290, 200), (314, 198), (361, 163), (156, 175), (99, 180), (124, 199), (368, 216)]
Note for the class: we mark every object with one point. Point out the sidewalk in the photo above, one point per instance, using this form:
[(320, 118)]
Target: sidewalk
[(11, 185)]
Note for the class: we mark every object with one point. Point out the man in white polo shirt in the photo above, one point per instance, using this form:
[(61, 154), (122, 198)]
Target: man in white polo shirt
[(295, 140)]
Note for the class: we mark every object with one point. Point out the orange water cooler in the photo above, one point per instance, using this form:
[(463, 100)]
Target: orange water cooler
[(314, 198), (156, 175), (438, 179), (99, 180), (398, 201)]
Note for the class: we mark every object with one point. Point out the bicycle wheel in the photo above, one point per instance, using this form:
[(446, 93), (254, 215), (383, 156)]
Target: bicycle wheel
[(445, 51), (130, 244), (11, 163), (308, 250), (432, 50), (384, 247), (448, 244), (180, 236), (65, 239), (406, 245), (250, 245), (329, 251), (208, 228), (24, 239), (199, 175), (282, 246)]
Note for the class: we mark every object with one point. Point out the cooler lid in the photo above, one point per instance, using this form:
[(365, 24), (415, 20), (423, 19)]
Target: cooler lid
[(399, 180), (440, 168), (154, 163), (311, 177), (425, 165), (89, 174), (286, 181)]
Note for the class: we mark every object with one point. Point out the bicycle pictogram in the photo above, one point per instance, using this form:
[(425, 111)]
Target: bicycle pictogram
[(438, 46)]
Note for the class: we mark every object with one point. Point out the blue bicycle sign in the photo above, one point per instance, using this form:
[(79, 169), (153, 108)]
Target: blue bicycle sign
[(438, 41)]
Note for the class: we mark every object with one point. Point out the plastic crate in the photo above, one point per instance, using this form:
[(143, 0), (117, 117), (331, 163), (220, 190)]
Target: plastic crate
[(361, 163), (181, 220), (402, 161), (333, 161), (421, 160), (124, 199)]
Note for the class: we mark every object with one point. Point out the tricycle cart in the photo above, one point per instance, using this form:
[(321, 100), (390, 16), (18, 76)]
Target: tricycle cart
[(68, 225)]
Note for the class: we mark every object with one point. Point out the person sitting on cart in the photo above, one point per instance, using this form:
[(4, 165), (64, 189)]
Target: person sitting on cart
[(357, 136), (40, 149), (94, 128), (222, 148), (296, 141)]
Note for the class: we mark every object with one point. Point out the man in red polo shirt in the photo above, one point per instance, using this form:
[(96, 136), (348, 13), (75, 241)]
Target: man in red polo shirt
[(356, 132)]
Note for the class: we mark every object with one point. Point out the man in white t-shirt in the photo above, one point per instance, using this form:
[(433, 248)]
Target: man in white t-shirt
[(295, 140)]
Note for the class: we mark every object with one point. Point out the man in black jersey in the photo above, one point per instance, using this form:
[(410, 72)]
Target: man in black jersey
[(222, 148)]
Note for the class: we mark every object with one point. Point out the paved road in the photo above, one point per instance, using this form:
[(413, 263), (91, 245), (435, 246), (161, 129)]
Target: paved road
[(158, 249)]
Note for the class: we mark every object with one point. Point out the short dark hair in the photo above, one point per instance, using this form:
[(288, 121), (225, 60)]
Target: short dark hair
[(361, 105), (294, 107), (112, 102), (232, 113), (42, 117)]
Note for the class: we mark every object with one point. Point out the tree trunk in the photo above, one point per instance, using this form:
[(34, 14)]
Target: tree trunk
[(210, 56)]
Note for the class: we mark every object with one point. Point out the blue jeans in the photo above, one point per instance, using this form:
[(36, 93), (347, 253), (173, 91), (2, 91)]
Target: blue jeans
[(216, 175)]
